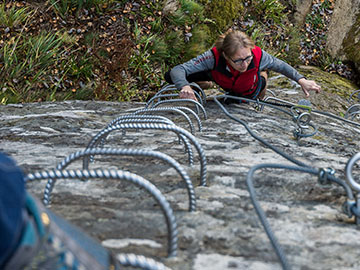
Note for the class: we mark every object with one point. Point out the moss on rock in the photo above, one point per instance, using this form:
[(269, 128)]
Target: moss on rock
[(222, 13), (334, 95)]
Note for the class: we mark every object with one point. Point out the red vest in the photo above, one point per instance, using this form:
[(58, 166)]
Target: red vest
[(242, 84)]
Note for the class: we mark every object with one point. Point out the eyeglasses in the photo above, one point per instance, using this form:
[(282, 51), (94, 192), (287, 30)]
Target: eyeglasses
[(240, 61)]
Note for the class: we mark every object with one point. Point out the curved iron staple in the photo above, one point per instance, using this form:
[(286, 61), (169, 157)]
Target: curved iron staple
[(101, 140), (143, 120), (138, 119), (348, 172), (192, 112), (203, 95), (173, 100), (167, 87), (126, 176), (184, 109), (271, 92), (352, 112), (140, 261), (172, 128), (201, 98), (144, 116), (168, 109), (127, 118), (260, 212), (353, 93), (158, 97), (198, 105), (124, 152)]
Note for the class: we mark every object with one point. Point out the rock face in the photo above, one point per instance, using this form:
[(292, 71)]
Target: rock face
[(343, 34), (302, 9), (224, 232)]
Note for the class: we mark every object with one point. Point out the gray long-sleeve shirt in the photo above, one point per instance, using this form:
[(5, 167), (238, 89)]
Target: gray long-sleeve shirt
[(206, 62)]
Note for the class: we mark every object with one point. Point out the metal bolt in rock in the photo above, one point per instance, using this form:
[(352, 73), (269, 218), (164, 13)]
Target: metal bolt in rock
[(302, 119), (349, 175), (121, 175), (300, 132), (123, 152), (172, 128)]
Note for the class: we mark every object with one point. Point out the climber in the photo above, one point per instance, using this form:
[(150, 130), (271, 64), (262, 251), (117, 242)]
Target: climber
[(236, 65)]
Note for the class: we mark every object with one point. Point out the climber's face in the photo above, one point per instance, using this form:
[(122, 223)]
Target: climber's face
[(241, 59)]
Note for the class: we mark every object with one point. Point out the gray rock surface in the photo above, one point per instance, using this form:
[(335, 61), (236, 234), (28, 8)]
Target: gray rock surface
[(224, 232), (343, 34)]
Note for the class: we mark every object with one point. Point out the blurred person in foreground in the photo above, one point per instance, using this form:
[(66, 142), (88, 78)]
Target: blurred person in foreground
[(33, 237)]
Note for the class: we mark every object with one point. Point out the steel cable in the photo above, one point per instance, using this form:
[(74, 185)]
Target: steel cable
[(302, 167), (281, 153), (289, 104), (260, 212)]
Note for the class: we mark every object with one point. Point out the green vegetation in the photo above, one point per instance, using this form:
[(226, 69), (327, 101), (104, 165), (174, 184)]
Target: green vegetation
[(65, 7), (119, 50), (13, 16)]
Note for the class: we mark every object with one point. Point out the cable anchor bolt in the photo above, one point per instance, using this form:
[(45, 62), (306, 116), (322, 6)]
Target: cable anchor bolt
[(323, 175)]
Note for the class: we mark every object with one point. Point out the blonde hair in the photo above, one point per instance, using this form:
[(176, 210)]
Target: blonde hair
[(232, 41)]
